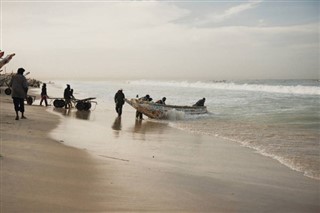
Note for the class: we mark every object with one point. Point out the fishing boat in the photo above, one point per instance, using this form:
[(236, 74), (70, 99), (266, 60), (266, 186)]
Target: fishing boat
[(160, 111)]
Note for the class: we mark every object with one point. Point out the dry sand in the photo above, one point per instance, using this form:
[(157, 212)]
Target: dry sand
[(39, 174)]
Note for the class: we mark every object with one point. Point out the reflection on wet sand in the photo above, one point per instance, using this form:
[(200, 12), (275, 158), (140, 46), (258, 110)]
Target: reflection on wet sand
[(142, 127), (116, 126), (83, 115), (62, 111), (137, 125)]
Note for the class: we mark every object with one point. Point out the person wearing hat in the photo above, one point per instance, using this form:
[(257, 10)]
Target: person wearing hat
[(119, 100), (19, 87)]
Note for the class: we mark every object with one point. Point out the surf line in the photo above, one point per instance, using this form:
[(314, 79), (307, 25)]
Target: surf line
[(114, 158)]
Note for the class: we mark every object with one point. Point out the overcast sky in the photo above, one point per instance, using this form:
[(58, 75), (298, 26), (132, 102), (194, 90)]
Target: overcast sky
[(169, 40)]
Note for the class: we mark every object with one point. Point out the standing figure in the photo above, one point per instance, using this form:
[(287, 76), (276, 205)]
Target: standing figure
[(147, 98), (67, 97), (44, 95), (19, 87), (119, 100)]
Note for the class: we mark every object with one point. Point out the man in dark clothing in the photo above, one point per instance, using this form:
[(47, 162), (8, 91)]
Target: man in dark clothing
[(44, 95), (19, 87), (162, 101), (67, 97), (119, 100), (200, 102), (145, 98)]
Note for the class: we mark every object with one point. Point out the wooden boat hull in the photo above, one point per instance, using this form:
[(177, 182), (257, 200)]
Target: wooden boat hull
[(159, 111)]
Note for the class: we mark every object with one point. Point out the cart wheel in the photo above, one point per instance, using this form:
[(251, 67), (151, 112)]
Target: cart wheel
[(87, 106), (80, 105), (58, 103), (29, 100), (7, 91)]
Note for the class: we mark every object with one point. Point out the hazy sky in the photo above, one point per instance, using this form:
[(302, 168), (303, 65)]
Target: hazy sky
[(189, 40)]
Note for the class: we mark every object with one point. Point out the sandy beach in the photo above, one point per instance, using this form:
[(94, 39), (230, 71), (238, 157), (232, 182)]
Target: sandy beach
[(183, 172), (40, 175)]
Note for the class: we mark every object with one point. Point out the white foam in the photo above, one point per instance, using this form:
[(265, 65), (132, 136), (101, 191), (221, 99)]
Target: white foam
[(175, 115), (287, 162), (298, 89)]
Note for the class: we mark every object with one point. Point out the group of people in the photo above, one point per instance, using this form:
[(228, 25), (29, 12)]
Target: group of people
[(119, 100), (68, 96), (19, 87)]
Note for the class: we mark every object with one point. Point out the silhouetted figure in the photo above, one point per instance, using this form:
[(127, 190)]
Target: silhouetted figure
[(145, 98), (67, 97), (71, 94), (162, 101), (19, 87), (138, 114), (44, 95), (200, 102), (119, 100)]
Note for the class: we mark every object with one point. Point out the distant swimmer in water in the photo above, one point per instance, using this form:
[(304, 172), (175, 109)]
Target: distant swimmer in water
[(200, 102)]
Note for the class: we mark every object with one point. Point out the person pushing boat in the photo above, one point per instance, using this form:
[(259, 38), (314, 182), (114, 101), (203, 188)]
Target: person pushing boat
[(200, 102)]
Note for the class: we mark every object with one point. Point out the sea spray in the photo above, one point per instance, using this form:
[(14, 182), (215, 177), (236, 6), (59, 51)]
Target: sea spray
[(294, 89), (174, 115)]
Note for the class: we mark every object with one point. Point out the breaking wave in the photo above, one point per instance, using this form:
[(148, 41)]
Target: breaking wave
[(294, 89)]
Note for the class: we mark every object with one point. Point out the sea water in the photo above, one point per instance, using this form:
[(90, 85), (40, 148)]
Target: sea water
[(276, 118)]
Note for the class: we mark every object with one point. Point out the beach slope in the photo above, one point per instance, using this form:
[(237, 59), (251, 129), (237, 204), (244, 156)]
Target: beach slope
[(39, 174)]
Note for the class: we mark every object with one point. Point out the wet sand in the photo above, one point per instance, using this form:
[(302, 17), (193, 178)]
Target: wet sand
[(137, 167)]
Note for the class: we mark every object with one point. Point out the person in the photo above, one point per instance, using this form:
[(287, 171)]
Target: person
[(19, 87), (119, 100), (162, 101), (146, 98), (139, 115), (71, 94), (44, 95), (200, 102), (67, 97)]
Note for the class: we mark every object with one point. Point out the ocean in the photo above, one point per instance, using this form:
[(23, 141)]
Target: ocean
[(275, 118)]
